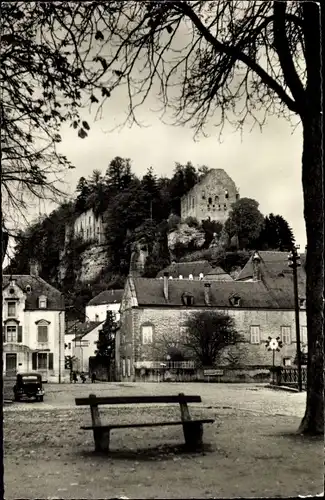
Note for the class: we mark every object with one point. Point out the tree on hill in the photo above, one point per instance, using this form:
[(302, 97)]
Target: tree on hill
[(118, 174), (106, 340), (276, 234), (184, 178), (208, 334), (245, 221)]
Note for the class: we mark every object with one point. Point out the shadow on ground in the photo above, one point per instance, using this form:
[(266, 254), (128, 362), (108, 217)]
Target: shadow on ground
[(165, 452)]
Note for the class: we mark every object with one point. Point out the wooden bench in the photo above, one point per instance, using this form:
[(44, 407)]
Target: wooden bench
[(193, 429)]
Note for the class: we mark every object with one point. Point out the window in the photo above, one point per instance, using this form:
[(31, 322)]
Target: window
[(226, 194), (147, 334), (96, 317), (28, 288), (203, 195), (193, 202), (286, 334), (225, 206), (69, 345), (123, 367), (287, 361), (42, 360), (42, 332), (11, 309), (216, 199), (303, 335), (128, 361), (187, 298), (11, 333), (255, 334), (210, 200), (87, 233), (89, 219), (42, 302)]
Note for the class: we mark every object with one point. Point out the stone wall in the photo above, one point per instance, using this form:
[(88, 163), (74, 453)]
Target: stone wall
[(212, 197), (170, 322)]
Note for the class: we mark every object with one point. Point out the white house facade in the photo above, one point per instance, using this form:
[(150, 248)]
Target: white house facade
[(84, 345), (33, 321), (108, 300)]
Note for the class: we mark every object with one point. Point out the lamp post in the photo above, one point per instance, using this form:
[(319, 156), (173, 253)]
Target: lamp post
[(294, 263)]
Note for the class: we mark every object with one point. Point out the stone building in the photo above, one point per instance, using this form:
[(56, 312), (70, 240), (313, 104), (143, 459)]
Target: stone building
[(108, 300), (154, 313), (211, 198), (90, 227), (33, 320)]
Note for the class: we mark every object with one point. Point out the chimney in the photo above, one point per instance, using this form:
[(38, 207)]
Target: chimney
[(166, 275), (207, 294), (256, 267), (34, 267)]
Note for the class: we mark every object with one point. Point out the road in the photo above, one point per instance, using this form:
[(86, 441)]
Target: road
[(248, 397)]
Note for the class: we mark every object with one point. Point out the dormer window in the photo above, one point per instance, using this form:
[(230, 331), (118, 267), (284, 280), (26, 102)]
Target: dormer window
[(302, 302), (235, 300), (42, 302), (187, 299), (190, 277), (28, 288), (201, 276), (180, 277)]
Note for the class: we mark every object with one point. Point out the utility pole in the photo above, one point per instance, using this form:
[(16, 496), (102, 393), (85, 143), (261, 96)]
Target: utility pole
[(294, 263)]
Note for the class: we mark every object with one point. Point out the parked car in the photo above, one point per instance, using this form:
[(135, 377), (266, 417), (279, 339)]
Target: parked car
[(28, 385)]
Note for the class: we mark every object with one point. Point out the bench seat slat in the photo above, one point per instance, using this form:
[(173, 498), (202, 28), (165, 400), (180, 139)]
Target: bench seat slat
[(115, 400), (150, 424)]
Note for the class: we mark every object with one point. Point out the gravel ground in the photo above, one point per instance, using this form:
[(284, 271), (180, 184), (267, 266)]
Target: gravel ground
[(251, 450)]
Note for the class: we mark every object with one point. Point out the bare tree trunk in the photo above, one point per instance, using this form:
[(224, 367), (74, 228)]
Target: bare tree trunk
[(313, 421), (313, 180)]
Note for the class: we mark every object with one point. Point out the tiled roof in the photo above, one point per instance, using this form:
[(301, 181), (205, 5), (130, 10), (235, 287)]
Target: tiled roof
[(107, 297), (254, 295), (84, 328), (175, 269), (55, 299), (218, 274), (277, 275)]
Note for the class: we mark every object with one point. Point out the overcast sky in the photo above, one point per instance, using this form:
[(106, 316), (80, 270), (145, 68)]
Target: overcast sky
[(264, 165)]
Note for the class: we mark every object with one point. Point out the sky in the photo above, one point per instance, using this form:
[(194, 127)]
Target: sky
[(265, 166)]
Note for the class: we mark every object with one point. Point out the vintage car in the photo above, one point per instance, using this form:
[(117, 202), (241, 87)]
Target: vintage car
[(28, 385)]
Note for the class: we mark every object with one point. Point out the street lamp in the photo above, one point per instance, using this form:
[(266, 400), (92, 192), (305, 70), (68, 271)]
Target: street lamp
[(294, 263)]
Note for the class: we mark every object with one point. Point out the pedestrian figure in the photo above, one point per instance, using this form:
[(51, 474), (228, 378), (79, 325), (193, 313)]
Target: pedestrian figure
[(93, 378), (74, 377), (83, 378)]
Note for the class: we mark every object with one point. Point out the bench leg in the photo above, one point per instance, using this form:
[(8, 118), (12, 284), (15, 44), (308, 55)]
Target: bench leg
[(193, 434), (101, 438)]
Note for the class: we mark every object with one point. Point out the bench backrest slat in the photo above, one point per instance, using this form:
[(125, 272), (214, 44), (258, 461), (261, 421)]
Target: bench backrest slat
[(117, 400)]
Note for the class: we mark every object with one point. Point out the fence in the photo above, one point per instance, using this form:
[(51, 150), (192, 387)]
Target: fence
[(289, 376)]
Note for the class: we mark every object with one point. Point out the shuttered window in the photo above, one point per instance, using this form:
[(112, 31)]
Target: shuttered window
[(286, 334), (20, 334), (42, 332), (255, 334)]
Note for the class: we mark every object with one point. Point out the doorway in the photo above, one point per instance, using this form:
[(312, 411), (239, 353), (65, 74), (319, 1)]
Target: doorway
[(11, 363)]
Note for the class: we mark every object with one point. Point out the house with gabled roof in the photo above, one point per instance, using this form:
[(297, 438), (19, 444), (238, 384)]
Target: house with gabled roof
[(33, 324), (153, 310), (84, 344), (108, 300)]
